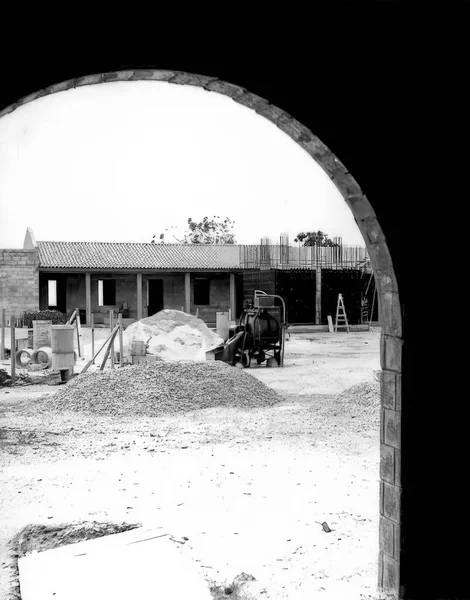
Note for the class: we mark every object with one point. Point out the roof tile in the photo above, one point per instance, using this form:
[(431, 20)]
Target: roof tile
[(109, 255)]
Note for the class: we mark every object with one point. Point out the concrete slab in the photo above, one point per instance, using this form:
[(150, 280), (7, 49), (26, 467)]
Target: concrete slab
[(141, 563)]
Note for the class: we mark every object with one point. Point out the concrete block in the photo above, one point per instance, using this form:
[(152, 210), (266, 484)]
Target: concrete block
[(382, 425), (386, 536), (391, 575), (397, 466), (398, 384), (391, 353), (360, 206), (387, 463), (392, 428), (390, 313), (379, 253), (270, 112), (347, 184), (396, 541), (225, 88), (292, 127), (392, 498), (388, 389), (252, 101)]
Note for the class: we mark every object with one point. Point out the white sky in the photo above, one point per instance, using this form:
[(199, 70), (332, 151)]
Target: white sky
[(123, 161)]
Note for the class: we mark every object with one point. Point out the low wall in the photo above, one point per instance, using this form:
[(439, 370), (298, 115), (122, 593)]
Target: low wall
[(19, 281)]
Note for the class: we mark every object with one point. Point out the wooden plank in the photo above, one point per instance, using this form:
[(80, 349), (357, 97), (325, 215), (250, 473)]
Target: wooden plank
[(111, 326), (121, 345), (330, 324), (77, 325), (110, 346), (93, 336)]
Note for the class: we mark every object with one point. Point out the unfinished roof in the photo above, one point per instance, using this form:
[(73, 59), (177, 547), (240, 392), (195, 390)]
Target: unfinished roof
[(109, 255)]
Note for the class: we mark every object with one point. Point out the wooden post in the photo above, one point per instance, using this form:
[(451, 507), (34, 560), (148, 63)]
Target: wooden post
[(110, 347), (139, 296), (111, 323), (93, 336), (13, 349), (121, 345), (187, 293), (2, 335), (77, 322), (318, 296), (88, 297)]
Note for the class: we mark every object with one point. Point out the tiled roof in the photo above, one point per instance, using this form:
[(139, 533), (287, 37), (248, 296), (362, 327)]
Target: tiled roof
[(107, 255)]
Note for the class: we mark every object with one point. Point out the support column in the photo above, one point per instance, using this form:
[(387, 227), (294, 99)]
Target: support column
[(139, 296), (187, 293), (233, 298), (88, 297), (318, 296)]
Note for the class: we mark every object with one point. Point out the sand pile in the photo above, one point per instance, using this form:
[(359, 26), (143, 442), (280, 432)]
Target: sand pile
[(173, 336)]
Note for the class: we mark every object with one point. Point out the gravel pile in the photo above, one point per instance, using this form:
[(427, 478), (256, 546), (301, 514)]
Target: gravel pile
[(364, 395), (159, 389)]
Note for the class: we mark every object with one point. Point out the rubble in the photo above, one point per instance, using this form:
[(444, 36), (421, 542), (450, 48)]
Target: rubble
[(159, 388)]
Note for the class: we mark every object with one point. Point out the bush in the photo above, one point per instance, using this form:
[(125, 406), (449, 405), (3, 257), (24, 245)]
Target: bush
[(57, 317)]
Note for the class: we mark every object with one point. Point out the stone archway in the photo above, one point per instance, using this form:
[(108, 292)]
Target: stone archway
[(387, 287)]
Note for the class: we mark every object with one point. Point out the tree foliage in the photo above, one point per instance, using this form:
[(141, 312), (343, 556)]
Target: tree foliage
[(314, 238), (207, 231)]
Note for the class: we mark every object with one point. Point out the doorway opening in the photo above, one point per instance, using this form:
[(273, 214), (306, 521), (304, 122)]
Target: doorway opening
[(391, 338)]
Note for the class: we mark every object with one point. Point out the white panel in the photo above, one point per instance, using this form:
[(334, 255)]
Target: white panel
[(52, 292), (100, 292)]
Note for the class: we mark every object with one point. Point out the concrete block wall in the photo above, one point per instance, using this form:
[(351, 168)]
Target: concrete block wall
[(126, 291), (19, 281), (219, 297), (173, 290)]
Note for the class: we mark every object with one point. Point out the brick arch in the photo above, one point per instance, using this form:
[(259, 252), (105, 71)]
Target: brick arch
[(387, 287)]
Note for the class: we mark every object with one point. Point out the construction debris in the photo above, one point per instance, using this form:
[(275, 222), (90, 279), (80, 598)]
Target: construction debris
[(159, 388)]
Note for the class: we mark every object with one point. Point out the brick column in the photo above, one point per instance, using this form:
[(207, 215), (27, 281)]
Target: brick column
[(139, 296), (187, 292)]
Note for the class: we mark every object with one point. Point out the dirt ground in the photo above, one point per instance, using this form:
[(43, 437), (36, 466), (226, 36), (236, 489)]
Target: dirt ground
[(239, 491)]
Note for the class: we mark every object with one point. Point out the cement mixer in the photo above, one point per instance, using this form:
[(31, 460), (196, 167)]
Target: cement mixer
[(260, 334)]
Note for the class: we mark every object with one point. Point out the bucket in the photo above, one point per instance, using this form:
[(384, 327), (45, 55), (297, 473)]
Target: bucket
[(62, 339), (138, 348)]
